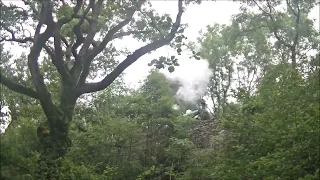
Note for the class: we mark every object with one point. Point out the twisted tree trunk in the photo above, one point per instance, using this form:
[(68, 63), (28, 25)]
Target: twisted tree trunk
[(54, 137)]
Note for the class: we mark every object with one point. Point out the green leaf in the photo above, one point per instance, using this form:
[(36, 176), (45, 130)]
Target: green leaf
[(179, 50), (159, 66), (181, 30), (197, 57), (64, 11), (171, 69), (178, 39), (162, 59)]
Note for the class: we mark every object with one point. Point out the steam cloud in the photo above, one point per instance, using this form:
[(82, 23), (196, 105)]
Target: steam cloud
[(194, 75)]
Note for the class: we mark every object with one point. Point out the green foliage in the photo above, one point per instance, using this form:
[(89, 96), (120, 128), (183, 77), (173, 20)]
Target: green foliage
[(179, 149), (146, 173), (19, 146), (272, 125), (65, 11), (163, 61), (276, 138)]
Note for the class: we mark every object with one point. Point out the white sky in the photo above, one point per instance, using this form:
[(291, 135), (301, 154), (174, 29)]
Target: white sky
[(197, 17)]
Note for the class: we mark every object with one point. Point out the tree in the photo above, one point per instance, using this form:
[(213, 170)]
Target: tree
[(272, 127), (291, 28), (126, 135), (216, 48), (73, 35)]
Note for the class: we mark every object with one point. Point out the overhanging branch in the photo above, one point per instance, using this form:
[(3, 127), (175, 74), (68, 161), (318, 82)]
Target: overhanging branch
[(28, 39), (128, 33), (93, 87), (18, 88), (13, 37)]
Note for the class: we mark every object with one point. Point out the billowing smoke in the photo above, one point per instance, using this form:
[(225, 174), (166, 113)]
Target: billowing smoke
[(194, 77), (176, 107)]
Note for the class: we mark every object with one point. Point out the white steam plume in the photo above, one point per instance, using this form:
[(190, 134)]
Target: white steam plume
[(194, 75)]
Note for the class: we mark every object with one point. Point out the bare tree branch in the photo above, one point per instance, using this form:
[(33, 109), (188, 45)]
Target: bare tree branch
[(76, 9), (13, 37), (93, 87), (296, 37), (58, 58), (50, 51), (76, 68), (64, 40), (92, 27), (24, 40), (33, 8), (66, 20), (128, 33), (63, 2), (296, 27), (77, 31), (30, 39), (110, 35), (39, 42), (18, 88), (291, 9)]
